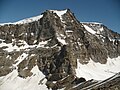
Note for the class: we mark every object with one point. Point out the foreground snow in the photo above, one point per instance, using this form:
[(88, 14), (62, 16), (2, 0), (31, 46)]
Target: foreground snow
[(13, 82), (98, 71)]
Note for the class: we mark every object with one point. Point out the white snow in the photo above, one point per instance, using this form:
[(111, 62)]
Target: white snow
[(113, 40), (59, 13), (93, 27), (10, 47), (24, 21), (32, 34), (28, 20), (98, 71), (36, 18), (20, 59), (2, 24), (2, 40), (43, 43), (101, 29), (68, 31), (61, 38), (92, 23), (89, 29), (13, 82)]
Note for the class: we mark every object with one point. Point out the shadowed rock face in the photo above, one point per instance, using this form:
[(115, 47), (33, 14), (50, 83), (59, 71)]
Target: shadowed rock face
[(54, 45)]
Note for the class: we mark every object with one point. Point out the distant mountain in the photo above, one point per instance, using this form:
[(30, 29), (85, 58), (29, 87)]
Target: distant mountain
[(56, 51)]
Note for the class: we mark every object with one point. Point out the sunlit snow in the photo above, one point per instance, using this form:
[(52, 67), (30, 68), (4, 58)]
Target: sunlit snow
[(20, 58), (36, 18), (89, 29), (10, 47), (61, 38), (24, 21), (59, 13), (13, 82), (98, 71)]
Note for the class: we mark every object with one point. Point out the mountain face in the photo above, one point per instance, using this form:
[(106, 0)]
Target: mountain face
[(56, 51)]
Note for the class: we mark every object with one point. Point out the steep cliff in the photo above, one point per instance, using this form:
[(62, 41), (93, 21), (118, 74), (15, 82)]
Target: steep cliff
[(54, 50)]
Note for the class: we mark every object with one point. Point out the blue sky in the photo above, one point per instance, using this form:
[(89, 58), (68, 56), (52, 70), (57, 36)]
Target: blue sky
[(104, 11)]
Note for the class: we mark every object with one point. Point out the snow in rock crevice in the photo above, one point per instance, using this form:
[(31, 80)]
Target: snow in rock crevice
[(20, 59), (61, 38), (10, 47)]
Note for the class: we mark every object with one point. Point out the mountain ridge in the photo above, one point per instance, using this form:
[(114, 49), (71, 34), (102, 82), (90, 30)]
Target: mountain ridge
[(61, 49)]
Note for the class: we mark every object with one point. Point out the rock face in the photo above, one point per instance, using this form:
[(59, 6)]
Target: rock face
[(54, 42)]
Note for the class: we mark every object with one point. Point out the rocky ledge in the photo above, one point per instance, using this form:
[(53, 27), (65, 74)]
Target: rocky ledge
[(57, 44)]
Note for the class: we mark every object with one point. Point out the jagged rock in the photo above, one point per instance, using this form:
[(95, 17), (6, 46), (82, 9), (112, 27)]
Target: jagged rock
[(54, 43)]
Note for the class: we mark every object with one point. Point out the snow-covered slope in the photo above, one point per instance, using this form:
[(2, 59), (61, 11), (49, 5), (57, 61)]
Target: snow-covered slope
[(36, 18), (98, 71), (24, 21), (93, 27), (13, 82), (59, 13)]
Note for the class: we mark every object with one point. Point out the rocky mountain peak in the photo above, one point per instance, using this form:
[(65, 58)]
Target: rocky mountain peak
[(55, 50)]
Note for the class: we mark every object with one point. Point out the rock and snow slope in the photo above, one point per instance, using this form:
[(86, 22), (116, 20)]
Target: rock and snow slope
[(13, 82), (54, 50), (98, 71)]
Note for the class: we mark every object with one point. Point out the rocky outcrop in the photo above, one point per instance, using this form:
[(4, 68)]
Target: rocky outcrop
[(54, 43)]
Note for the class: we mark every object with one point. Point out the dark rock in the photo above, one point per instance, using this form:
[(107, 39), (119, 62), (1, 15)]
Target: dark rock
[(56, 60)]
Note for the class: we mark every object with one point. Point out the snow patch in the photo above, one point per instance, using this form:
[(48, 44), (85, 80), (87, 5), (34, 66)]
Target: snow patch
[(59, 13), (68, 31), (101, 29), (20, 59), (42, 43), (92, 23), (13, 82), (89, 29), (24, 21), (61, 38), (98, 71), (36, 18), (10, 47)]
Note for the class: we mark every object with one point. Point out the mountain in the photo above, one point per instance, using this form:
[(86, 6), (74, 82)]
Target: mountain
[(56, 51)]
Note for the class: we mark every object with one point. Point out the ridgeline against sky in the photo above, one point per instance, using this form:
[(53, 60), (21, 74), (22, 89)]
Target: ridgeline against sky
[(104, 11)]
